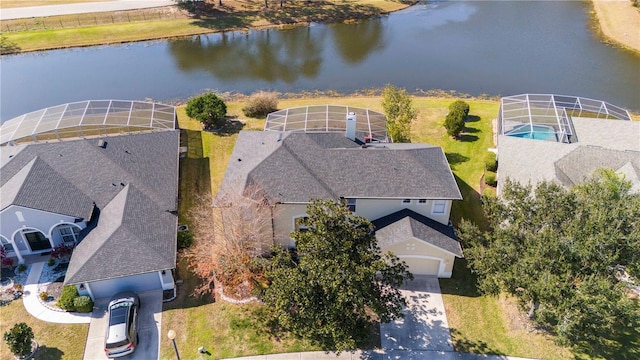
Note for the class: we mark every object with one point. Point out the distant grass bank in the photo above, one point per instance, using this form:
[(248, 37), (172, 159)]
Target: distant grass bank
[(23, 35)]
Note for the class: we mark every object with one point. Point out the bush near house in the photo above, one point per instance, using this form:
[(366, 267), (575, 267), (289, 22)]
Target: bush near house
[(83, 304), (261, 104), (490, 178), (19, 339), (491, 162), (185, 239), (66, 301)]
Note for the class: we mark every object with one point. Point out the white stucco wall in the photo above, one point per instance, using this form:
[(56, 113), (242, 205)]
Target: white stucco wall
[(14, 219), (373, 209)]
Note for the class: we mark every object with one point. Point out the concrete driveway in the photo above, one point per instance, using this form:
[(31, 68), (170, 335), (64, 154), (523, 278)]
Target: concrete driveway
[(149, 325), (424, 326)]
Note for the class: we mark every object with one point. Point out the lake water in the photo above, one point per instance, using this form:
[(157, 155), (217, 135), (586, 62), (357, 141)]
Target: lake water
[(476, 47)]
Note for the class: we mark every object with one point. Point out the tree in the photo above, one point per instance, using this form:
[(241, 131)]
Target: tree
[(209, 109), (400, 113), (337, 283), (19, 339), (454, 123), (560, 252), (228, 240), (461, 106)]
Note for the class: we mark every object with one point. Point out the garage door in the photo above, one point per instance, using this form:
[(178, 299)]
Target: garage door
[(136, 283), (422, 266)]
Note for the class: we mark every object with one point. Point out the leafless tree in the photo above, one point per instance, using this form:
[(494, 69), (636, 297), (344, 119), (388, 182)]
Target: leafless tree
[(229, 239)]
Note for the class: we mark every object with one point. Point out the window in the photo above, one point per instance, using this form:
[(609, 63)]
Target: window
[(406, 201), (37, 240), (301, 223), (439, 206), (351, 205), (69, 233), (422, 201), (8, 247)]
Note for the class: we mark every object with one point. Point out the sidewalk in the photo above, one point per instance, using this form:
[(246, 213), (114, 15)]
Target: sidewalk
[(380, 355), (80, 8), (34, 307)]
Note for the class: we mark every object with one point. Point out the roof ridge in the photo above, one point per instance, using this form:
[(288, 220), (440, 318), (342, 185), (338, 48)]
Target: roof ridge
[(309, 170)]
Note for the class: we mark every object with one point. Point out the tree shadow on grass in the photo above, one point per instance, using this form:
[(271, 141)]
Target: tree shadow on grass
[(321, 11), (455, 159), (463, 282), (473, 118), (465, 345), (468, 138), (470, 130), (48, 353), (231, 126), (623, 347)]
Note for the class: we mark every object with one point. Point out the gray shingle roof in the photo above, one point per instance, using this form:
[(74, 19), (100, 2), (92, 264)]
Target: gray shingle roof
[(38, 186), (133, 181), (133, 236), (294, 167), (578, 165), (405, 224)]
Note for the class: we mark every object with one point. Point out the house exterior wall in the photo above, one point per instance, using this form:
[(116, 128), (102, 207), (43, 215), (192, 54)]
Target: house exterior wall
[(417, 249), (14, 219), (284, 222), (373, 209), (136, 283)]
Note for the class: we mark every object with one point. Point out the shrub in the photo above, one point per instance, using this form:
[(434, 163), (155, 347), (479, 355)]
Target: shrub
[(209, 109), (22, 268), (19, 338), (461, 106), (454, 123), (83, 304), (61, 251), (51, 262), (490, 178), (44, 296), (488, 193), (261, 104), (491, 162), (185, 239), (69, 293)]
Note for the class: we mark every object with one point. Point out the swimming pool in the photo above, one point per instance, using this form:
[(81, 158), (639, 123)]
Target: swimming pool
[(537, 132)]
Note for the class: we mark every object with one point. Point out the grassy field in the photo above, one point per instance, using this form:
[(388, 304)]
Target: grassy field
[(34, 34), (56, 341), (480, 324)]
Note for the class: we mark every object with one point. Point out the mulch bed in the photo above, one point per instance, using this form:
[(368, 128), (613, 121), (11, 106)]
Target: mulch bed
[(55, 288)]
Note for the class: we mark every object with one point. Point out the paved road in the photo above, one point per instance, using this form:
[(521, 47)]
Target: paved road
[(81, 8)]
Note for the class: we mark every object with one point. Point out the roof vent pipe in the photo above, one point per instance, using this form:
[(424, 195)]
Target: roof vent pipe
[(351, 126), (102, 143)]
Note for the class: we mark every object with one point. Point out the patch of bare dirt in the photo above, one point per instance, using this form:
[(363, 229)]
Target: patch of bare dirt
[(517, 320), (619, 21)]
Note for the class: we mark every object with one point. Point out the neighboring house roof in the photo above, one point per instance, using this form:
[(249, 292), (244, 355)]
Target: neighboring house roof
[(147, 160), (133, 181), (38, 186), (405, 224), (292, 167), (607, 143), (579, 164), (133, 236)]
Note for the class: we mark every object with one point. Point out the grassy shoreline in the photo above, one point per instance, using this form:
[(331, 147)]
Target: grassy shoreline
[(617, 23), (91, 29)]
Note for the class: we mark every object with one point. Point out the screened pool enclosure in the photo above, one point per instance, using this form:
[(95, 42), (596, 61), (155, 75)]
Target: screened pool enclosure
[(548, 117), (329, 118), (86, 119)]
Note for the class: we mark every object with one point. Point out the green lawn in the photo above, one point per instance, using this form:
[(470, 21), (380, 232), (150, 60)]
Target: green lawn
[(480, 324), (56, 341)]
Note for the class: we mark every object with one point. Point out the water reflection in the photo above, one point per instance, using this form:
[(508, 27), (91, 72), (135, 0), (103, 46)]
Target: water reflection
[(356, 42), (267, 55)]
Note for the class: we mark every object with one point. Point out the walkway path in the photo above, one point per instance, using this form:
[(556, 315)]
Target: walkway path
[(80, 8), (380, 355), (34, 307)]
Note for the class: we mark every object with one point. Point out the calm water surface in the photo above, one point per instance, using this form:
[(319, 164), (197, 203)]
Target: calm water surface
[(492, 47)]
